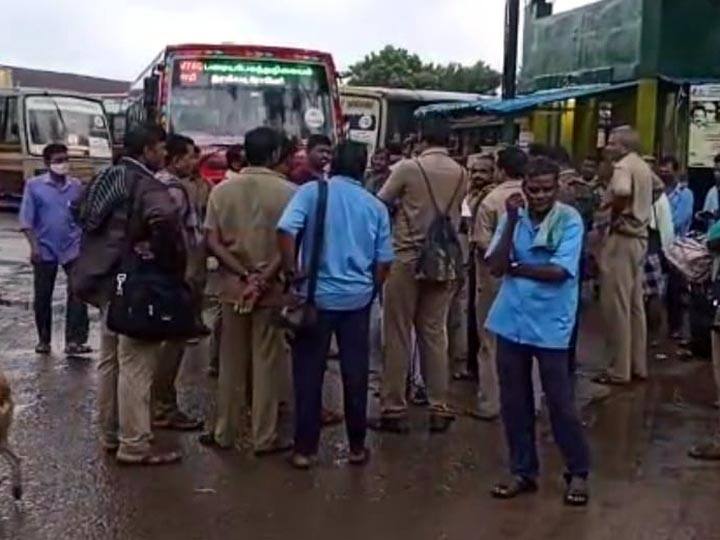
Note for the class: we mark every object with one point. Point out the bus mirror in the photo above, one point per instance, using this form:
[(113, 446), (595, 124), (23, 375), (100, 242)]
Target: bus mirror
[(150, 91)]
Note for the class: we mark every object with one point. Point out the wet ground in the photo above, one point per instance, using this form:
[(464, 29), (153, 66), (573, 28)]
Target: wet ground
[(416, 487)]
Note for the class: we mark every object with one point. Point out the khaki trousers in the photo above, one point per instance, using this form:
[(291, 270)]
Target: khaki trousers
[(488, 385), (621, 299), (164, 394), (457, 323), (126, 370), (424, 305), (252, 351)]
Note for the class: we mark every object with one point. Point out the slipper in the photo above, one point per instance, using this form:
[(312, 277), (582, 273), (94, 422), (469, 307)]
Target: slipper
[(609, 380), (278, 448), (709, 451), (463, 376), (177, 421), (150, 459), (331, 418), (358, 459), (76, 349), (576, 493), (517, 486), (300, 462)]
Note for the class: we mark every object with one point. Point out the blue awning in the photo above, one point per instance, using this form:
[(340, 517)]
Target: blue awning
[(523, 103)]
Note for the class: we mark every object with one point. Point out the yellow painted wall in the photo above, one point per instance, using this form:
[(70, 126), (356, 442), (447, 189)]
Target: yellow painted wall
[(567, 126), (646, 113)]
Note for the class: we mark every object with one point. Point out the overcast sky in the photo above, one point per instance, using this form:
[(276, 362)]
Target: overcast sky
[(118, 38)]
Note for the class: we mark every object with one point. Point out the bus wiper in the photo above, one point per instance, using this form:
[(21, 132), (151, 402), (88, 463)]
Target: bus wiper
[(60, 116)]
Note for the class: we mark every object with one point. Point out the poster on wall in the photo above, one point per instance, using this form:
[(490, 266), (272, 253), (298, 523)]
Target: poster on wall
[(704, 125), (362, 120)]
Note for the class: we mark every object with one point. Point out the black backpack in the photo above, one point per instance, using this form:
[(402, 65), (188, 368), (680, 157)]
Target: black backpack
[(441, 256)]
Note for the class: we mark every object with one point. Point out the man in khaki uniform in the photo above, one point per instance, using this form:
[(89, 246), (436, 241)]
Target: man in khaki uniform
[(511, 169), (242, 215), (630, 197), (412, 302)]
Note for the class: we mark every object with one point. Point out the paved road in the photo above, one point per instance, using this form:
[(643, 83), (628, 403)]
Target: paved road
[(417, 486)]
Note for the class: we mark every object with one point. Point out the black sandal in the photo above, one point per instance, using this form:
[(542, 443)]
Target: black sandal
[(517, 486), (576, 493)]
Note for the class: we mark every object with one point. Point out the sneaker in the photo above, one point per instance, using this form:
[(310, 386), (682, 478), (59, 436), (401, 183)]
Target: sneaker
[(43, 348)]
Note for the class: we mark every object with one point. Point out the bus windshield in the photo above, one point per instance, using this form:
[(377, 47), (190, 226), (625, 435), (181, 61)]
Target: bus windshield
[(78, 123), (217, 100)]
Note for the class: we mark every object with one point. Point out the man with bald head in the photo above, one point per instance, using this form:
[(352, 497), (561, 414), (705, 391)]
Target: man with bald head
[(629, 199)]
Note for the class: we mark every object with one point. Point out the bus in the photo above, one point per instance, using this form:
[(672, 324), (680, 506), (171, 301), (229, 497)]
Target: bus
[(378, 116), (216, 93), (31, 118)]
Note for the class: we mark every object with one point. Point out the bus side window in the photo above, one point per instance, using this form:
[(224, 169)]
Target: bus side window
[(9, 129)]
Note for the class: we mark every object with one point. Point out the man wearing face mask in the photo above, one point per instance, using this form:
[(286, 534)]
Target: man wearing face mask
[(54, 239)]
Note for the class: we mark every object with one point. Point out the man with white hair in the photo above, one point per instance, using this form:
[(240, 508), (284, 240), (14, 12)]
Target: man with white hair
[(630, 200)]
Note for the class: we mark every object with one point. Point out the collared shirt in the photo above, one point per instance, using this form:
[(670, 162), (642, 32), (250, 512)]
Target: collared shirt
[(357, 237), (187, 214), (244, 209), (661, 220), (682, 202), (633, 178), (712, 204), (45, 210), (415, 213), (491, 209), (533, 312)]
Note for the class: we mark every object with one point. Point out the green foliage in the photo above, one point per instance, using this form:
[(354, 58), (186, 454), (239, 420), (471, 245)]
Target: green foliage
[(398, 68)]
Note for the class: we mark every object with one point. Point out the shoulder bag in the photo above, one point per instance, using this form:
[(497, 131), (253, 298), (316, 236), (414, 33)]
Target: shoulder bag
[(148, 303), (304, 315)]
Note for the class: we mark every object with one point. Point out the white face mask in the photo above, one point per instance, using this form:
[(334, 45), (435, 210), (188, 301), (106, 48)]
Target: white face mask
[(61, 169)]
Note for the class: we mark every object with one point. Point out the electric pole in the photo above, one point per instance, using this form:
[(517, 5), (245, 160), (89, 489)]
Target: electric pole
[(509, 86)]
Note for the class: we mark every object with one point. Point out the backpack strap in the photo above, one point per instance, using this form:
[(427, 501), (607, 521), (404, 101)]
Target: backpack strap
[(432, 195)]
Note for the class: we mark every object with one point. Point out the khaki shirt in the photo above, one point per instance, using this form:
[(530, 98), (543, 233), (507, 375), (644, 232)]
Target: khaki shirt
[(415, 211), (633, 178), (491, 209), (245, 211)]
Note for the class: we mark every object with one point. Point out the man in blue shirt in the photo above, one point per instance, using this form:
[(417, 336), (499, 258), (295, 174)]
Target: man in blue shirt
[(537, 252), (54, 238), (682, 203), (681, 197), (354, 261), (711, 208)]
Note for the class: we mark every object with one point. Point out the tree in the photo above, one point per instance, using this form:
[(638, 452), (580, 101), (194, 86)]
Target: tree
[(398, 68)]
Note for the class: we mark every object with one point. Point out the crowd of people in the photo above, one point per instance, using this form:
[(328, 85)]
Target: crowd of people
[(408, 268)]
